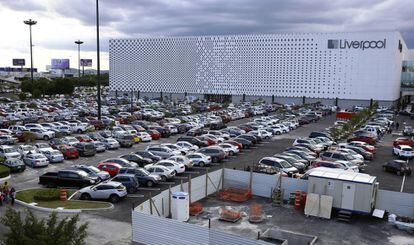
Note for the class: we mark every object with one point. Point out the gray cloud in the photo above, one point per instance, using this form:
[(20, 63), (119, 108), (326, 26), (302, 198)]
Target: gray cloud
[(23, 5)]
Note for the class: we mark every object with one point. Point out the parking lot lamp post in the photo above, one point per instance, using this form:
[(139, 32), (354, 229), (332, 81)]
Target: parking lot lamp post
[(31, 22), (79, 42), (98, 70)]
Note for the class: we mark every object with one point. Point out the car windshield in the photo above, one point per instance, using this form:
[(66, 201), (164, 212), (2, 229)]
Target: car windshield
[(94, 169), (27, 147), (284, 164), (349, 157), (14, 162), (8, 150)]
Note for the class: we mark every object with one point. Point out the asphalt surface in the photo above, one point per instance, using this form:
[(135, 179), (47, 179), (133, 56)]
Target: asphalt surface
[(122, 211)]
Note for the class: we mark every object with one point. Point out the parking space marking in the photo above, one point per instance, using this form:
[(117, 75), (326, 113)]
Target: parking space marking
[(166, 183), (135, 195), (192, 172), (148, 189)]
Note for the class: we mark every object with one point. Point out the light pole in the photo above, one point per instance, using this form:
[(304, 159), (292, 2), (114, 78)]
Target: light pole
[(31, 22), (79, 42), (98, 70)]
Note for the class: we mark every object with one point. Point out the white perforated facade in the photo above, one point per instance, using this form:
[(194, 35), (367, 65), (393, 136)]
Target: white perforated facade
[(357, 66)]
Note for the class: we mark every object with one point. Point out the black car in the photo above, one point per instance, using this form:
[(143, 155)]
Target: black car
[(245, 143), (320, 134), (249, 137), (400, 167), (148, 154), (67, 178), (85, 149), (195, 132), (144, 177), (15, 165), (165, 133), (141, 161), (193, 140)]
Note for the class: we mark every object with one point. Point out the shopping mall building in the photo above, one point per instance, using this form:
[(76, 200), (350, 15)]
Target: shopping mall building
[(349, 67)]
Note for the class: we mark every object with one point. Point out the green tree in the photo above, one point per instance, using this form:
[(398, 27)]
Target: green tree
[(32, 230)]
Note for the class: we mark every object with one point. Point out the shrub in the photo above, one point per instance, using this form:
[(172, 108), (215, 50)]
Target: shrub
[(4, 171), (47, 195), (29, 137)]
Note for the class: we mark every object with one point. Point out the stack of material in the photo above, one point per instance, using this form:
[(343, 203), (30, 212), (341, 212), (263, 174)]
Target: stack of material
[(196, 208), (236, 195), (229, 215), (256, 213)]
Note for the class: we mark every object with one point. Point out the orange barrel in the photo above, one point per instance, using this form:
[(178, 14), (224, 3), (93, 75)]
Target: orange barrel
[(63, 194), (303, 200)]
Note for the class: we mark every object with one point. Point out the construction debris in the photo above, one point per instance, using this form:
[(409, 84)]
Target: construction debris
[(236, 195), (256, 213), (229, 215)]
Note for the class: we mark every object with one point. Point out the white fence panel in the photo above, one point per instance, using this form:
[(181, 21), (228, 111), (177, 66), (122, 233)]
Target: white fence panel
[(154, 230), (215, 178), (198, 188), (236, 178), (220, 238), (263, 184), (399, 203), (143, 207), (290, 185)]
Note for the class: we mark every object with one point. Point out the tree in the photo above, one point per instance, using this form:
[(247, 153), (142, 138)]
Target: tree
[(31, 230)]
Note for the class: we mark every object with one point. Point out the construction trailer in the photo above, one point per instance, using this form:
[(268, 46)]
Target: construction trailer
[(354, 192)]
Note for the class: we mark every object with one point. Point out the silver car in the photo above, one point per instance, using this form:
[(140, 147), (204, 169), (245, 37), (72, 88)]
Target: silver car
[(54, 156), (35, 160)]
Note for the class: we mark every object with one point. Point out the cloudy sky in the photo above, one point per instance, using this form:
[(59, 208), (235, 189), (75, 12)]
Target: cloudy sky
[(61, 22)]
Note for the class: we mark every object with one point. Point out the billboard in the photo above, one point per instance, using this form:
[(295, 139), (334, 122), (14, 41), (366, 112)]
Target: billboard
[(60, 64), (86, 62), (19, 62)]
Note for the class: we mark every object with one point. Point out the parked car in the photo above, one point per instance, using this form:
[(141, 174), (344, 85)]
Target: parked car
[(128, 180), (164, 172), (8, 152), (114, 191), (193, 140), (148, 154), (230, 149), (144, 136), (403, 151), (162, 151), (41, 133), (67, 178), (8, 140), (177, 167), (188, 163), (85, 149), (54, 156), (338, 155), (111, 144), (93, 171), (279, 164), (121, 161), (199, 159), (217, 154), (69, 152), (14, 164), (403, 141), (400, 167), (69, 140), (110, 167), (35, 160), (141, 161), (99, 146), (292, 161), (124, 139), (327, 164), (187, 146), (144, 177)]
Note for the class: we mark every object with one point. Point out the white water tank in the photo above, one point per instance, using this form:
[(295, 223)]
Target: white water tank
[(180, 206)]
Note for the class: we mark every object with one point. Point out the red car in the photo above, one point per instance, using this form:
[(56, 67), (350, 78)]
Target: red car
[(237, 144), (403, 141), (98, 124), (155, 135), (209, 141), (83, 138), (110, 167), (69, 152), (326, 164), (363, 145), (365, 139)]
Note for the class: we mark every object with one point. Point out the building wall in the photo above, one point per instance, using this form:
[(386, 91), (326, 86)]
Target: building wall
[(283, 65)]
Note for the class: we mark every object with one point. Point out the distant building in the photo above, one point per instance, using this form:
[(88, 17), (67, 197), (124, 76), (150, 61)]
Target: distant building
[(353, 67)]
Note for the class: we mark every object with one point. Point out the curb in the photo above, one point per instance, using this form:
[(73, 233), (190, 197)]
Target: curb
[(5, 178), (72, 211)]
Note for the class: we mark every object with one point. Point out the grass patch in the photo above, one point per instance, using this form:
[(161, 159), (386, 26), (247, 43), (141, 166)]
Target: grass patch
[(28, 197)]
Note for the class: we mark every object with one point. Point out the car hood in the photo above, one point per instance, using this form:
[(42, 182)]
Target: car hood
[(12, 154)]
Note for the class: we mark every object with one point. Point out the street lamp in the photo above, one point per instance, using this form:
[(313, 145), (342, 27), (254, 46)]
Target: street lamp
[(31, 22), (79, 42), (98, 70)]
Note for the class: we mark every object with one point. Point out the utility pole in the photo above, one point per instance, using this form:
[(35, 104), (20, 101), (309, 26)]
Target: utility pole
[(98, 71)]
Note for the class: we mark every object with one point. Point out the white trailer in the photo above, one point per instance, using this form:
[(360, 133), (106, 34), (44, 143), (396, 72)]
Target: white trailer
[(355, 192)]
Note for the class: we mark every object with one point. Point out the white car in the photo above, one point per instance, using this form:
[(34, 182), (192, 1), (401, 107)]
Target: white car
[(144, 136), (111, 144), (403, 151), (184, 160), (164, 172), (277, 129), (24, 149), (70, 141), (41, 133), (187, 146), (8, 152), (349, 166), (111, 190), (200, 159), (177, 167), (100, 147), (43, 147), (230, 149), (36, 160), (54, 156)]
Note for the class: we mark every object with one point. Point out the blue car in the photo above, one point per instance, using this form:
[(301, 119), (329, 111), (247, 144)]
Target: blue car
[(128, 180)]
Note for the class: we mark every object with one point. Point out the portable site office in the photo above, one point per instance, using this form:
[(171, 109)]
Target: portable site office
[(355, 192)]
